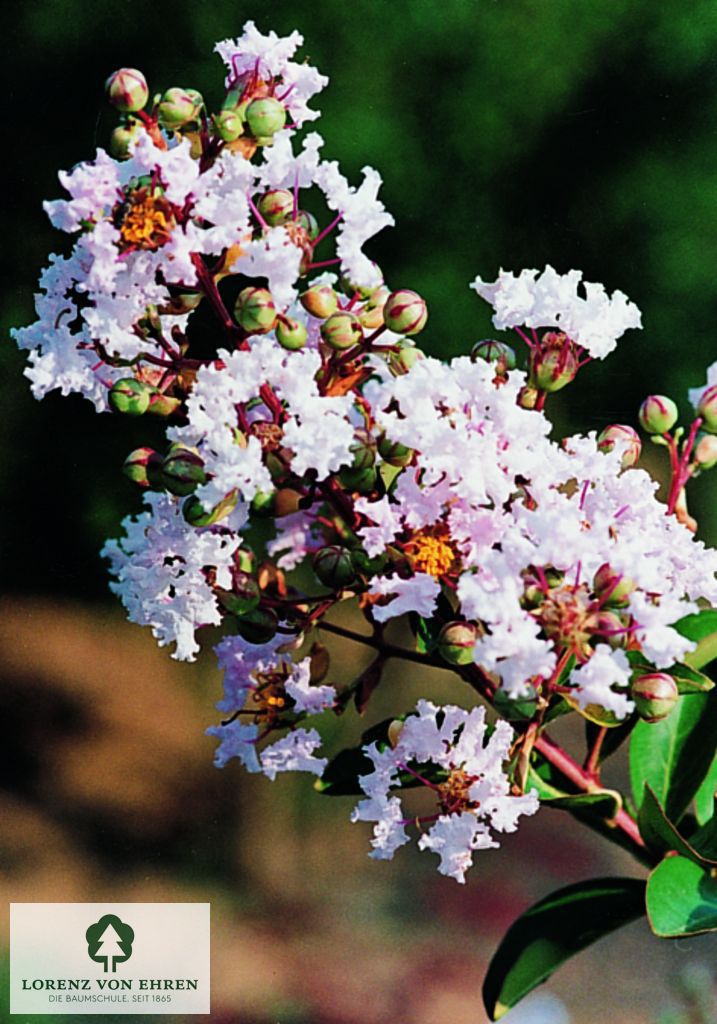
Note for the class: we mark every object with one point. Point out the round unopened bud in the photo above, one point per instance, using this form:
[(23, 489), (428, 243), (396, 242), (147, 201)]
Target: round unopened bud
[(655, 695), (255, 310), (123, 139), (528, 397), (244, 596), (393, 452), (342, 331), (334, 567), (705, 453), (626, 437), (363, 449), (130, 397), (394, 732), (361, 480), (405, 312), (228, 125), (406, 358), (263, 503), (707, 409), (177, 108), (371, 315), (258, 626), (286, 502), (291, 334), (308, 223), (612, 587), (182, 472), (658, 414), (608, 626), (494, 352), (265, 117), (320, 300), (196, 515), (554, 363), (456, 642), (276, 206), (142, 467), (127, 90)]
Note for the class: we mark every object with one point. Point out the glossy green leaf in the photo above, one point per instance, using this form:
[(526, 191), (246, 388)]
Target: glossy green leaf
[(705, 795), (681, 899), (661, 834), (552, 931), (688, 678), (701, 627), (674, 755)]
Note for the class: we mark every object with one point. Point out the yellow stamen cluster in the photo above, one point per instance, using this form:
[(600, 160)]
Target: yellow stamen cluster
[(268, 701), (147, 221), (431, 553), (454, 793)]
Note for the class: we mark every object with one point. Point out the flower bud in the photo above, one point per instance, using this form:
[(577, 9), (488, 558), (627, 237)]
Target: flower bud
[(405, 312), (320, 300), (658, 414), (263, 503), (182, 472), (394, 732), (123, 139), (363, 449), (528, 397), (265, 117), (655, 695), (130, 396), (705, 453), (629, 439), (177, 108), (608, 626), (162, 405), (334, 567), (308, 223), (196, 515), (707, 409), (258, 626), (554, 363), (254, 309), (228, 125), (405, 359), (456, 642), (342, 331), (363, 291), (291, 334), (244, 596), (286, 502), (361, 480), (371, 315), (612, 586), (494, 352), (127, 90), (276, 206), (142, 467), (393, 452)]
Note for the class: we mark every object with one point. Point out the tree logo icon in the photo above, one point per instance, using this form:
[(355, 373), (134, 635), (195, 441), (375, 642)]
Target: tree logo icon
[(109, 942)]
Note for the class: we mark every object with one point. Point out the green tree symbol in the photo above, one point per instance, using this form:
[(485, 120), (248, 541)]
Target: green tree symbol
[(109, 941)]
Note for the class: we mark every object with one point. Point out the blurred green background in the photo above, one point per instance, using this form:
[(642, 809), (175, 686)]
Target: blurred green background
[(509, 133)]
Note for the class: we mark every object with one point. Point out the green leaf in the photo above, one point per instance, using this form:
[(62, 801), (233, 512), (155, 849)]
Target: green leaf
[(674, 755), (552, 931), (681, 899), (701, 627), (661, 834), (705, 795)]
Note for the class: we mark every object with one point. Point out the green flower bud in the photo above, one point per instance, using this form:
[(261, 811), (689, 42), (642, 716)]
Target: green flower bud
[(612, 586), (363, 449), (262, 504), (276, 206), (618, 433), (177, 108), (707, 409), (655, 695), (265, 117), (228, 125), (196, 97), (342, 331), (244, 560), (608, 626), (494, 352), (405, 359), (127, 90), (196, 515), (528, 397), (456, 641), (291, 334), (334, 567), (162, 405), (405, 312), (658, 414), (364, 291), (286, 501), (393, 452), (123, 139), (308, 222), (554, 363), (371, 315), (361, 480), (130, 396), (142, 467), (259, 626), (244, 596), (320, 300), (705, 453), (182, 472), (254, 309)]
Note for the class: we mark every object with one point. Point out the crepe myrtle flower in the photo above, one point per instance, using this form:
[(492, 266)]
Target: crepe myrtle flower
[(451, 753)]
